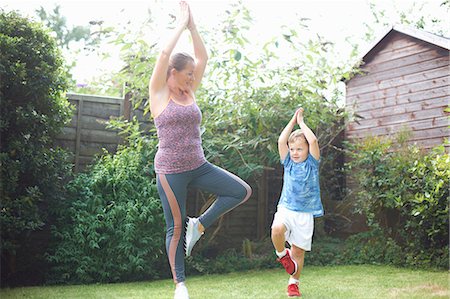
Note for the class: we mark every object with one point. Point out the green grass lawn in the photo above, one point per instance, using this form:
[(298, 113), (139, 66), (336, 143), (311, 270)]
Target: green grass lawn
[(317, 282)]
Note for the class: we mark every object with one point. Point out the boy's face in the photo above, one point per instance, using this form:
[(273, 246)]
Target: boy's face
[(298, 150)]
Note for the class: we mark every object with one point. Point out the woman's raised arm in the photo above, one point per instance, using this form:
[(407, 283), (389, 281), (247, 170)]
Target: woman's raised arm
[(159, 76), (201, 55)]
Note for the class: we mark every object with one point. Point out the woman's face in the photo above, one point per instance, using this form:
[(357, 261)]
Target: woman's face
[(185, 77)]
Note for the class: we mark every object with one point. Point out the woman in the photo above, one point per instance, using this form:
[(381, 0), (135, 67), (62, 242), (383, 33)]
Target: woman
[(180, 162)]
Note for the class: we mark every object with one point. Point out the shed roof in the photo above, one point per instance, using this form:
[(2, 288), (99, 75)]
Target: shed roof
[(428, 37)]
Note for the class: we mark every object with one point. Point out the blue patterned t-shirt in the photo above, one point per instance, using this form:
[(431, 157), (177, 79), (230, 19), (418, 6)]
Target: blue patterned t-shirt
[(301, 189)]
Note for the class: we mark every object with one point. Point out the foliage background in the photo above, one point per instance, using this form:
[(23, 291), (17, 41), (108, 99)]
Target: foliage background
[(113, 228), (244, 104), (32, 171), (403, 191), (107, 223)]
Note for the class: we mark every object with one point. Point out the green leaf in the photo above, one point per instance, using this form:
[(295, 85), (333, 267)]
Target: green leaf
[(237, 55)]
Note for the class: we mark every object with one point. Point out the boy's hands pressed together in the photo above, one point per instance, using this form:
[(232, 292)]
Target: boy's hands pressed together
[(309, 134), (299, 114), (294, 117)]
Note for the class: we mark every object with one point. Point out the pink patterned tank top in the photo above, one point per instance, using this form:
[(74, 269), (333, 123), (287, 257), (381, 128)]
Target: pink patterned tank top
[(180, 144)]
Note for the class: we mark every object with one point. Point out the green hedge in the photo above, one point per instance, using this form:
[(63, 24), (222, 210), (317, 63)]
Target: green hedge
[(33, 172), (403, 192), (113, 227)]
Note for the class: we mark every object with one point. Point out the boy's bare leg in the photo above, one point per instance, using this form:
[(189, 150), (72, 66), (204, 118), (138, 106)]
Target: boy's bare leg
[(278, 238), (284, 255), (298, 255)]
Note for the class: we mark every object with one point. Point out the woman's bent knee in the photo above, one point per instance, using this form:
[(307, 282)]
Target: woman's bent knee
[(245, 193)]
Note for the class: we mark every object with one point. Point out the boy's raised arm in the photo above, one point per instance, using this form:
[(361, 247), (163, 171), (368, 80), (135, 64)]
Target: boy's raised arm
[(314, 149), (283, 148)]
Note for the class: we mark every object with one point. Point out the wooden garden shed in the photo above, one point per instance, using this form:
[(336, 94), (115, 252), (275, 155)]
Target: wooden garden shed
[(405, 83)]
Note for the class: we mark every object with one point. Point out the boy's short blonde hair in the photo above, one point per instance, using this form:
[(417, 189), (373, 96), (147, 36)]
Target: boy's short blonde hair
[(297, 135)]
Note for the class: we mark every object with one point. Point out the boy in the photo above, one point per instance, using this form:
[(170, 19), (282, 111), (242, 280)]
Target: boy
[(300, 198)]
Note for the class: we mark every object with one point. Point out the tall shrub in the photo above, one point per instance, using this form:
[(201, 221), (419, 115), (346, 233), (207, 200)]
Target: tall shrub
[(33, 109), (403, 191), (113, 228)]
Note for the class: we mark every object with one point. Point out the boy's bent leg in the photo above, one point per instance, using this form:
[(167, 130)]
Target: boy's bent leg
[(284, 255), (298, 255), (278, 236)]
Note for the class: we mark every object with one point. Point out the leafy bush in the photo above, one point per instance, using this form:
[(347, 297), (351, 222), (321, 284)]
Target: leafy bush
[(326, 251), (113, 228), (228, 261), (372, 247), (33, 172), (254, 255), (404, 192)]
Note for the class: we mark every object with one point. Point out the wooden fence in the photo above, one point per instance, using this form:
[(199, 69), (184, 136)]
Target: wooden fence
[(86, 135)]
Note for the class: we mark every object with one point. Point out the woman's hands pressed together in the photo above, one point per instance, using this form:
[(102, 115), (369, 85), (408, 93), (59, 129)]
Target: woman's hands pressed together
[(184, 14)]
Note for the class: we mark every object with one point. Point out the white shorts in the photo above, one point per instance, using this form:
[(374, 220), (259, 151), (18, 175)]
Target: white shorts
[(299, 227)]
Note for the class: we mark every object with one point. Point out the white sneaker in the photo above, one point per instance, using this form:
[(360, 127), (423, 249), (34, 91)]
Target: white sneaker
[(181, 292), (192, 234)]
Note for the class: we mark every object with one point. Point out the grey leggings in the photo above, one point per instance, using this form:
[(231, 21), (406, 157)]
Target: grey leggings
[(231, 191)]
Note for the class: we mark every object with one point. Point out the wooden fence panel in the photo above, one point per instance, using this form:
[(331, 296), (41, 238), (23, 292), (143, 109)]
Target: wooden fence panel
[(86, 135)]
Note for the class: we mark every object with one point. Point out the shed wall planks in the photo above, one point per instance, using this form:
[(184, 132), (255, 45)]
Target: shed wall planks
[(404, 84)]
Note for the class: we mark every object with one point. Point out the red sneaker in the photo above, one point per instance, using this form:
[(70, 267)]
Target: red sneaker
[(289, 264), (293, 291)]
